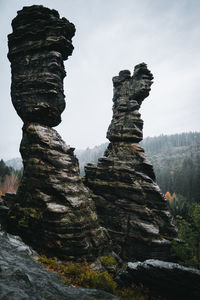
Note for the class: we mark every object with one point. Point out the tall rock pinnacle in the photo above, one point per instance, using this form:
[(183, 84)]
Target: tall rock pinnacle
[(128, 200), (129, 92), (53, 210), (37, 47)]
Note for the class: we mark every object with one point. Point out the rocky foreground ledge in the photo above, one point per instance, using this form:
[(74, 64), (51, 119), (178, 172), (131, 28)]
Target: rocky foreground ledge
[(167, 279), (21, 277)]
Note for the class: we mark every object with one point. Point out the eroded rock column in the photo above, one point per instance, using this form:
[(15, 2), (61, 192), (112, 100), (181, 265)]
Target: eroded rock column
[(53, 210), (128, 200)]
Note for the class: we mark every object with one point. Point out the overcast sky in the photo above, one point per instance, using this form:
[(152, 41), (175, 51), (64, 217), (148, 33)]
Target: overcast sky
[(113, 35)]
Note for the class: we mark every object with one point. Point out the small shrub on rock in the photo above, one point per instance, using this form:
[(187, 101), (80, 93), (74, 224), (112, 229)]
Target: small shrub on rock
[(108, 261), (82, 275)]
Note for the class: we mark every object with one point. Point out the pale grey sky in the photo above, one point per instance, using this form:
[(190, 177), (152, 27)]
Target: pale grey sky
[(112, 35)]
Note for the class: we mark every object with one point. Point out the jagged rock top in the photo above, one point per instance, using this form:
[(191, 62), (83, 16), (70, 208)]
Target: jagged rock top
[(129, 92), (137, 87), (37, 27)]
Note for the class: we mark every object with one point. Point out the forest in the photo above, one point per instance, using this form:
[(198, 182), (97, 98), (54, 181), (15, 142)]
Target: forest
[(176, 162)]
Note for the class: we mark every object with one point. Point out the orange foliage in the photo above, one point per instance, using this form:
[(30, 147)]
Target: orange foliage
[(168, 196), (10, 184)]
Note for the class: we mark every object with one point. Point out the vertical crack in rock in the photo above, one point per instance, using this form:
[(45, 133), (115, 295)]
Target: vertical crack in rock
[(128, 200), (53, 210)]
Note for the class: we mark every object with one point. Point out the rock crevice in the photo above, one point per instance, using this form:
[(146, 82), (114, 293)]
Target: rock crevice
[(40, 41), (53, 210), (128, 200)]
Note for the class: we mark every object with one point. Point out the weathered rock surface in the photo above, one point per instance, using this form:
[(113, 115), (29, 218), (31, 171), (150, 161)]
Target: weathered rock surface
[(128, 200), (6, 202), (53, 210), (129, 92), (40, 41), (167, 279), (8, 199), (21, 277)]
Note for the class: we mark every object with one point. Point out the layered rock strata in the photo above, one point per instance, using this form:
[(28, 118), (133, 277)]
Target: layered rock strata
[(40, 41), (53, 210), (128, 200)]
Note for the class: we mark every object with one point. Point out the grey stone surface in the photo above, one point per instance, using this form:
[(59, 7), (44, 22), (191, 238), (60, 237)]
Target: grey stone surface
[(22, 277), (166, 279), (39, 43), (128, 200), (53, 211)]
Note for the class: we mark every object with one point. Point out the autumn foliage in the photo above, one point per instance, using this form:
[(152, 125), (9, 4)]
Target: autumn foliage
[(9, 179), (10, 184), (170, 197), (83, 275)]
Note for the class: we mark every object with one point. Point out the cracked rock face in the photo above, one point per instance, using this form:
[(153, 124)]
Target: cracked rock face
[(129, 92), (53, 210), (128, 200), (40, 41)]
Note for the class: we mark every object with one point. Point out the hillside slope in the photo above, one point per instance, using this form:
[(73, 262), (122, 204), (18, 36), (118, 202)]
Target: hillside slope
[(176, 162), (90, 155)]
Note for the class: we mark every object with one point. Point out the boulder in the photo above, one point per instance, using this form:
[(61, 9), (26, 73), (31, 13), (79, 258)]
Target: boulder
[(22, 277), (167, 279)]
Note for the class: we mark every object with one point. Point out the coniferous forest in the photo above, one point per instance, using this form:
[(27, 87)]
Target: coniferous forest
[(176, 162)]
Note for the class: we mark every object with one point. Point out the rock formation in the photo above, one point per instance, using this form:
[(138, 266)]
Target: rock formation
[(53, 210), (169, 280), (128, 200), (37, 47), (22, 277)]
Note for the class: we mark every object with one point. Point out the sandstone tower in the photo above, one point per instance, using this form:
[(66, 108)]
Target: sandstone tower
[(53, 210), (128, 200)]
